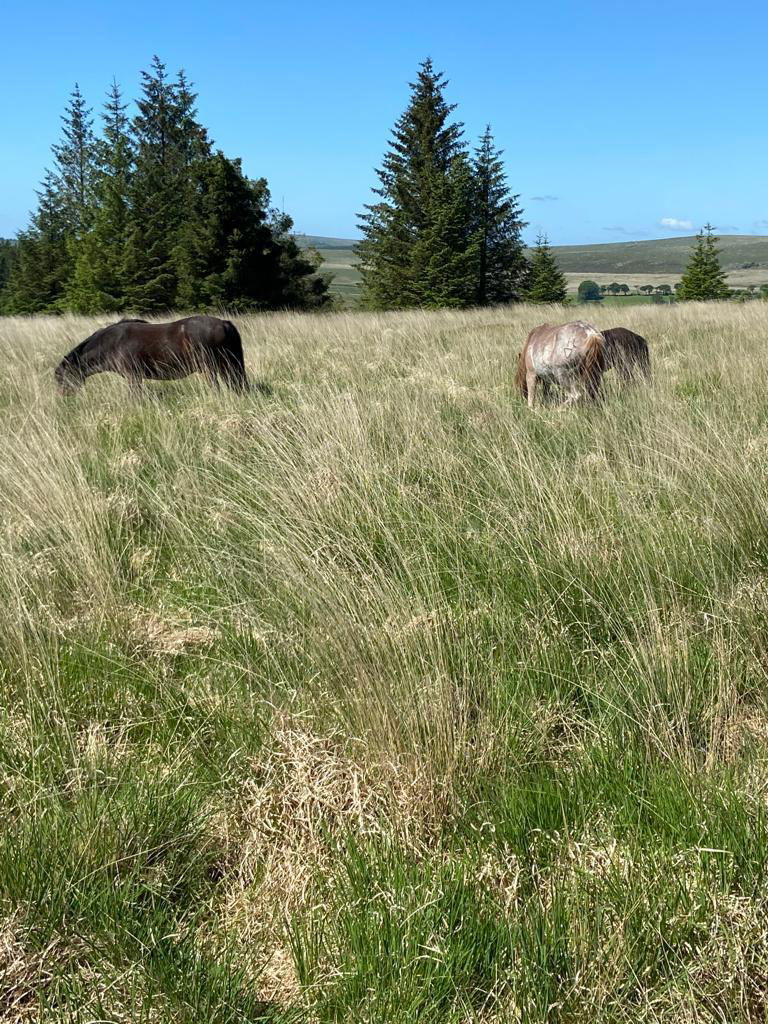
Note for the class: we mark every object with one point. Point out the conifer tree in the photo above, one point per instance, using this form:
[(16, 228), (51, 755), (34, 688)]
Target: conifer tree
[(45, 251), (41, 265), (704, 278), (411, 227), (546, 282), (75, 163), (446, 257), (168, 139), (502, 267), (8, 249), (98, 281)]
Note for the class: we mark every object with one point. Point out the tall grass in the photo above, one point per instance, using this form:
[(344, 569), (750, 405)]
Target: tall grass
[(383, 698)]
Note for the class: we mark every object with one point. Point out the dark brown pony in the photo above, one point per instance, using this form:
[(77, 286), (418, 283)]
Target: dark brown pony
[(628, 353), (142, 351)]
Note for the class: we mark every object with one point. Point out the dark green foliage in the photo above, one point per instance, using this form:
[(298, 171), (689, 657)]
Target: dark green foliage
[(75, 162), (148, 218), (8, 249), (589, 291), (169, 142), (546, 281), (230, 252), (445, 230), (408, 230), (42, 265), (704, 278), (502, 269), (98, 281)]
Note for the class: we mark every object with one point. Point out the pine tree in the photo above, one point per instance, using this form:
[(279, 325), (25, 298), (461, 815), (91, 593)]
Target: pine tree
[(446, 257), (411, 227), (8, 250), (41, 265), (546, 282), (75, 163), (704, 278), (168, 141), (233, 253), (45, 251), (222, 256), (98, 281), (502, 267)]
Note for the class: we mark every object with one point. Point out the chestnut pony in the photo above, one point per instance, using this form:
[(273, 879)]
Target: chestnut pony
[(569, 355)]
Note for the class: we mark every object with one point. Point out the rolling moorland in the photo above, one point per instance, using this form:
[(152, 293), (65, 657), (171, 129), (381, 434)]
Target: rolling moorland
[(658, 261), (383, 698)]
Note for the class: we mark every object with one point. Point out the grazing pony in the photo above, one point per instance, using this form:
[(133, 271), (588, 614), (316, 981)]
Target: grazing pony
[(142, 351), (568, 355), (628, 352)]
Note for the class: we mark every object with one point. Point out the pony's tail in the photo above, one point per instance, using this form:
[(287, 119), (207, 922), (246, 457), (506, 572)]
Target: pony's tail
[(237, 378), (594, 361), (644, 359), (520, 376)]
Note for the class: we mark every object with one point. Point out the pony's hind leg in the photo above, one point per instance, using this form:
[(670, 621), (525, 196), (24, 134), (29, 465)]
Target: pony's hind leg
[(531, 380)]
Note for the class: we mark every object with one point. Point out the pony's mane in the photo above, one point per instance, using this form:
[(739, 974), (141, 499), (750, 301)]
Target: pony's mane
[(74, 355)]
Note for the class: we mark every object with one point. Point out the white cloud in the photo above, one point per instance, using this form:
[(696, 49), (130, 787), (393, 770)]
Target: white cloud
[(675, 224)]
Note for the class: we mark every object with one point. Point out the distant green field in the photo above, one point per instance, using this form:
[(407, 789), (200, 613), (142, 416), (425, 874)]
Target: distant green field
[(656, 261)]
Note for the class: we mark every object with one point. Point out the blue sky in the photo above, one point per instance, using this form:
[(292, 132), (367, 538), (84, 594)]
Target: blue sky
[(617, 117)]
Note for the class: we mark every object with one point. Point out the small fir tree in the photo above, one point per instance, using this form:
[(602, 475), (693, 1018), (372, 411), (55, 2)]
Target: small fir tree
[(547, 282), (704, 278)]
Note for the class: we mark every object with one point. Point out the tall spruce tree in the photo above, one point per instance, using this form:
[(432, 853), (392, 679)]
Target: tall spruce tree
[(46, 250), (502, 267), (546, 282), (75, 163), (411, 233), (704, 278), (98, 281), (168, 140)]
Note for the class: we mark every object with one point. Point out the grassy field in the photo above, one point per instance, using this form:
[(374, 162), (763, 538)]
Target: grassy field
[(384, 699), (655, 262)]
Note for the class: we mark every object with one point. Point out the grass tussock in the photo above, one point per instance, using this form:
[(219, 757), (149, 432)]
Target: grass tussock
[(381, 698)]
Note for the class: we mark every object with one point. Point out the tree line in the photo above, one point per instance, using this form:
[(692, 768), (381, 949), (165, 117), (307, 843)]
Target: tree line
[(147, 215)]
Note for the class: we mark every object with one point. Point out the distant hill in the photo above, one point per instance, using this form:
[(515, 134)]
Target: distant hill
[(655, 261), (659, 255), (323, 242)]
